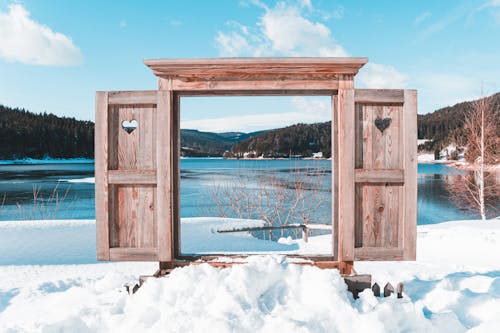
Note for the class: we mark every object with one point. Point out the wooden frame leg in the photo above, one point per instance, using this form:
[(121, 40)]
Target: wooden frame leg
[(345, 267)]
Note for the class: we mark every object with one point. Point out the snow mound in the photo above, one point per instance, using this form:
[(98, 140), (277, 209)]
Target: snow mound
[(266, 295), (89, 180)]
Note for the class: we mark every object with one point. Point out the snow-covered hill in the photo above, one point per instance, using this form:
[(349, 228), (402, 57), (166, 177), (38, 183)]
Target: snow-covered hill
[(454, 286)]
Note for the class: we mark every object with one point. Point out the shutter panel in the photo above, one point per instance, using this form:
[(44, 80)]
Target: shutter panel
[(385, 174), (127, 218)]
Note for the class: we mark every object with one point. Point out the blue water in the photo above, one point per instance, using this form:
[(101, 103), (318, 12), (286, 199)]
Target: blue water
[(198, 176)]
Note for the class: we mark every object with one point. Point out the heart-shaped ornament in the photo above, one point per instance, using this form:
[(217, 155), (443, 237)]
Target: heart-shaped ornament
[(382, 124), (129, 126)]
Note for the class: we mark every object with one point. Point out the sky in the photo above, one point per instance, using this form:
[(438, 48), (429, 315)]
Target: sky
[(55, 54)]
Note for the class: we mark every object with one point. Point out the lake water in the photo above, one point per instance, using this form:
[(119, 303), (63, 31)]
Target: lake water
[(202, 180)]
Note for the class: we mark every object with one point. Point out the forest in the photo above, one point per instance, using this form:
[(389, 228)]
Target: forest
[(26, 134)]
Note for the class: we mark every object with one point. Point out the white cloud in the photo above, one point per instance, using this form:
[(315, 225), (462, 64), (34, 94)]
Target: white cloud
[(286, 31), (374, 75), (246, 123), (302, 110), (280, 31), (25, 40)]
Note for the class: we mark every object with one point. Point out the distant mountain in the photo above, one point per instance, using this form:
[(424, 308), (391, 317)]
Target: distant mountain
[(195, 143), (296, 140), (26, 134), (445, 126)]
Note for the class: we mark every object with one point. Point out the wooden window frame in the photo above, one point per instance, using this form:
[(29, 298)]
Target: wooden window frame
[(332, 77), (178, 78)]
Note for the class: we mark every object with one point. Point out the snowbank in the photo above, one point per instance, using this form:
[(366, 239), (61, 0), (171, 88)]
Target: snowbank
[(425, 158), (453, 286), (90, 180), (266, 295)]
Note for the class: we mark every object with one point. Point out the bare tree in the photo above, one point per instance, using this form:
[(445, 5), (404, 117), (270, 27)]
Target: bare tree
[(279, 200), (479, 189)]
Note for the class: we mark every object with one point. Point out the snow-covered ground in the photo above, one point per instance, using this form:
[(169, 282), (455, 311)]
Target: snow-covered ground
[(454, 286), (427, 157)]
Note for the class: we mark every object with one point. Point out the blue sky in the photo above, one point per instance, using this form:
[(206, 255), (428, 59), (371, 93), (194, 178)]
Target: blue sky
[(55, 54)]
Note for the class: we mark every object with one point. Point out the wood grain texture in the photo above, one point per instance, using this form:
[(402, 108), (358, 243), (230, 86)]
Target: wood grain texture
[(335, 178), (164, 160), (345, 152), (244, 85), (383, 96), (250, 68), (132, 97), (125, 177), (377, 254), (133, 254), (176, 175), (101, 181), (410, 166), (379, 176)]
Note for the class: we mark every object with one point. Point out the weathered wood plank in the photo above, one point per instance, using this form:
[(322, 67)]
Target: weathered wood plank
[(224, 68), (242, 85), (273, 92), (164, 156), (125, 177), (176, 175), (335, 178), (410, 166), (391, 226), (132, 97), (345, 151), (379, 176), (146, 226), (127, 216), (374, 96), (377, 253), (101, 181), (133, 254)]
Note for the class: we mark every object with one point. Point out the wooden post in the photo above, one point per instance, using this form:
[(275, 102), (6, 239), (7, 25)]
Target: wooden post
[(343, 163), (101, 176), (304, 234), (410, 175), (388, 290), (164, 160)]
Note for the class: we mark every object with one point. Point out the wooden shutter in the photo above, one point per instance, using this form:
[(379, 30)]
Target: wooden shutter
[(132, 212), (385, 175)]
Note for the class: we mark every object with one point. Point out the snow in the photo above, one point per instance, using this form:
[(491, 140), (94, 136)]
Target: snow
[(90, 180), (422, 141), (425, 158), (454, 286)]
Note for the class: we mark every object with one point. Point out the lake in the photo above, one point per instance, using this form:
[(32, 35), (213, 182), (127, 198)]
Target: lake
[(62, 190)]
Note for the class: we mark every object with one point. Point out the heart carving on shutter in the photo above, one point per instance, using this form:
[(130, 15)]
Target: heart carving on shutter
[(129, 126), (382, 124)]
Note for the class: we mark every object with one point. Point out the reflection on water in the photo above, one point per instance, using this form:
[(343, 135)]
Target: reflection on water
[(197, 176)]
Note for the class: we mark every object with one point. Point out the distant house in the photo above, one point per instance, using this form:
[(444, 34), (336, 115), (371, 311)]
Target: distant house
[(319, 154)]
